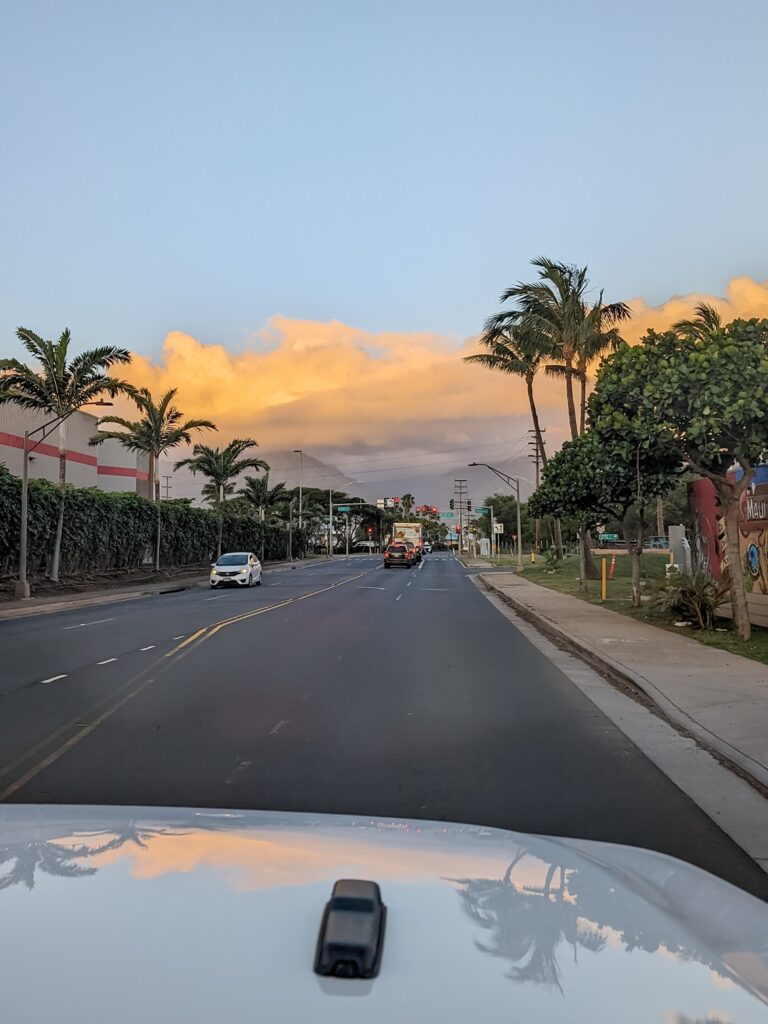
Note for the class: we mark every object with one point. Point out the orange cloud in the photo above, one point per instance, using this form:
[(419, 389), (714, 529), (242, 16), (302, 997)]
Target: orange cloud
[(744, 298), (314, 384), (329, 384)]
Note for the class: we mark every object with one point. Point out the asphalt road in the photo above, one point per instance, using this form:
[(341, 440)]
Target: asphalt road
[(337, 687)]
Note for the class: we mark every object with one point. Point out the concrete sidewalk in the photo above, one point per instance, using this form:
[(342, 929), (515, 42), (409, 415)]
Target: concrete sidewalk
[(719, 698)]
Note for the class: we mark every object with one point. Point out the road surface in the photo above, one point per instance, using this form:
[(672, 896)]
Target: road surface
[(336, 687)]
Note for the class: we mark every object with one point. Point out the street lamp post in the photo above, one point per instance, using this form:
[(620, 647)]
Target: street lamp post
[(300, 453), (510, 481), (21, 588)]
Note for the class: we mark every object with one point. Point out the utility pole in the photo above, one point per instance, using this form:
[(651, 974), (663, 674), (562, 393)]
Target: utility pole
[(460, 489), (330, 523), (300, 453), (346, 532), (510, 481), (535, 455), (167, 485), (493, 532)]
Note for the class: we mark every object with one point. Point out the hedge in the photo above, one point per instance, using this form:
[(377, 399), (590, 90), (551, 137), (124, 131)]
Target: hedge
[(104, 531)]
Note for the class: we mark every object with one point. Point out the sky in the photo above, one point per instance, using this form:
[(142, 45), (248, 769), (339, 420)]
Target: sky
[(329, 197)]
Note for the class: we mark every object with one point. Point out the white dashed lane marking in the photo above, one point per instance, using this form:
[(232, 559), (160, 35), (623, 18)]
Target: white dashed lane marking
[(52, 679), (95, 622), (151, 646), (181, 637), (276, 728), (106, 661), (398, 597)]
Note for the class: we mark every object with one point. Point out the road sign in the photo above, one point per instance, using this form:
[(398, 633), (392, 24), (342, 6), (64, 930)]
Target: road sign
[(447, 515), (481, 508), (380, 502), (342, 508), (498, 527), (608, 536)]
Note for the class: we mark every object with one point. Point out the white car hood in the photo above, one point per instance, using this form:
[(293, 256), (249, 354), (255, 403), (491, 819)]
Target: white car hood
[(146, 914)]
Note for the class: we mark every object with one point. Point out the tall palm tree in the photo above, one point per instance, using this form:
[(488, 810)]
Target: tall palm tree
[(406, 503), (706, 321), (598, 333), (569, 327), (222, 466), (60, 386), (160, 428), (516, 349)]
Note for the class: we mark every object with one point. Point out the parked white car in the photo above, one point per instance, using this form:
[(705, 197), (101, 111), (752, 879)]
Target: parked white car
[(236, 568)]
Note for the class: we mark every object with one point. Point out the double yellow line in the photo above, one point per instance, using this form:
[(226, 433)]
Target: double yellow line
[(79, 727)]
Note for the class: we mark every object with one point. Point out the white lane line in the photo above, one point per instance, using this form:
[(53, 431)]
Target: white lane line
[(241, 766), (180, 637), (276, 728), (95, 622), (398, 597), (106, 661), (409, 583), (149, 648), (371, 588), (52, 679), (218, 597), (421, 565), (434, 590)]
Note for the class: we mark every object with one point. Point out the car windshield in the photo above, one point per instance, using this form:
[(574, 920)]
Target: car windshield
[(383, 441)]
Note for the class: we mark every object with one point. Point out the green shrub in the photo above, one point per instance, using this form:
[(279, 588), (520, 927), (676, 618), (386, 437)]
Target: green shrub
[(691, 597), (104, 531)]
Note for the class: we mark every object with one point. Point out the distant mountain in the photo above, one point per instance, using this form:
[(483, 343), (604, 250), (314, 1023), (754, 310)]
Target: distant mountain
[(283, 466), (438, 489)]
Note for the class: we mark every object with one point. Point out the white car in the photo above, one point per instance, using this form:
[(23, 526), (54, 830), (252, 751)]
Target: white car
[(236, 568)]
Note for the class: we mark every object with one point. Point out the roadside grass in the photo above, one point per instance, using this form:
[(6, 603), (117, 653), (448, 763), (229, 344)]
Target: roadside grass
[(565, 578)]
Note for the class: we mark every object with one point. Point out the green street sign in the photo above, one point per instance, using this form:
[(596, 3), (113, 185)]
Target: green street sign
[(447, 515), (342, 508), (482, 508), (608, 536)]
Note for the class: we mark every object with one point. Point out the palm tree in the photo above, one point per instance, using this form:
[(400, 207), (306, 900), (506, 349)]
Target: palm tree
[(61, 387), (705, 322), (263, 498), (222, 466), (406, 503), (516, 349), (569, 329), (160, 428)]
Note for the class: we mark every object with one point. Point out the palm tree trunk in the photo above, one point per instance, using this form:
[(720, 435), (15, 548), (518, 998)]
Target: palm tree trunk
[(56, 559), (155, 491), (221, 531), (569, 396), (583, 401), (730, 505)]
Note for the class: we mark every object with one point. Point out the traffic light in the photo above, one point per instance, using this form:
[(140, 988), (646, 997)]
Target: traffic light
[(458, 529), (434, 510), (469, 505), (452, 504), (370, 530)]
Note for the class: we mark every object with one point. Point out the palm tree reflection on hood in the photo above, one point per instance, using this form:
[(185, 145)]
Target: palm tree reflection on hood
[(528, 923), (55, 858)]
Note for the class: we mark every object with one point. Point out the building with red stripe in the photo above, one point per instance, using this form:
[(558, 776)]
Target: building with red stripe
[(108, 466)]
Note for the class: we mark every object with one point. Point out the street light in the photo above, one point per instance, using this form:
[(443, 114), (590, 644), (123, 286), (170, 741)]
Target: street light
[(510, 481), (21, 589), (300, 453)]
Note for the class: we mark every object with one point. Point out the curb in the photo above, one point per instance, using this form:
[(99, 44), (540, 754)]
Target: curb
[(736, 759)]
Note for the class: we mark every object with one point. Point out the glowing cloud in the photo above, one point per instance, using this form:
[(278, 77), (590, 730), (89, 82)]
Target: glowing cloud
[(330, 385)]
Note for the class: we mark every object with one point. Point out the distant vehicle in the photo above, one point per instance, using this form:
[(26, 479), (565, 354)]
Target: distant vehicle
[(398, 554), (657, 542), (427, 548), (407, 532), (236, 568), (415, 550)]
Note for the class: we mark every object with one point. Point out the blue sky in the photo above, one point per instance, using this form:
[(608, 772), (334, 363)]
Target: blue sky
[(201, 166)]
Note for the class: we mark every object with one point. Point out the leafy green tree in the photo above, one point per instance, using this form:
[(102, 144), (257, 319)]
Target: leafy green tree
[(60, 386), (704, 387), (505, 511), (222, 466), (595, 477), (160, 428)]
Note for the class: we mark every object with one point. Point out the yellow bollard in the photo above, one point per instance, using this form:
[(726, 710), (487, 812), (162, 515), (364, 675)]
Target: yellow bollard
[(533, 557), (604, 591)]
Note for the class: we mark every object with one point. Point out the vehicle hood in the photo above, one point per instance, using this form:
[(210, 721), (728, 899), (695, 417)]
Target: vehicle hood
[(126, 914)]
